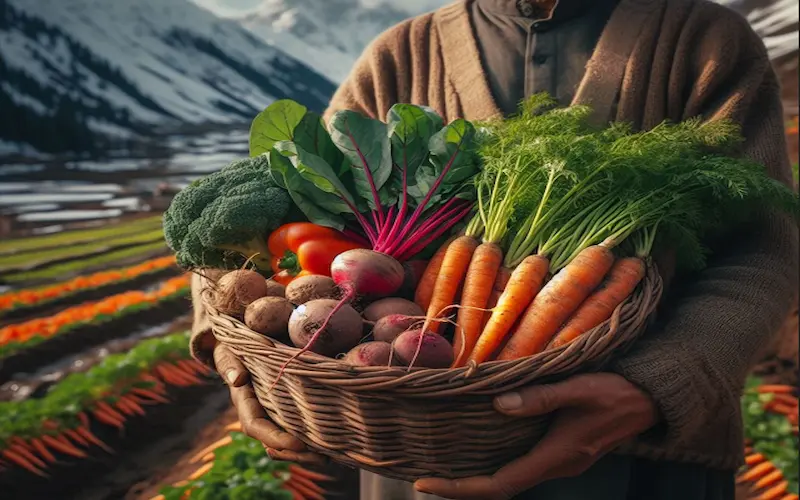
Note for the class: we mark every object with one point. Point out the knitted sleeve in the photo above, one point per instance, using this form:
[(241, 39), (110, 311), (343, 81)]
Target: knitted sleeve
[(694, 362)]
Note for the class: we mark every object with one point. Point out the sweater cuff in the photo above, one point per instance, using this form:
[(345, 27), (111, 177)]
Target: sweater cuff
[(659, 373)]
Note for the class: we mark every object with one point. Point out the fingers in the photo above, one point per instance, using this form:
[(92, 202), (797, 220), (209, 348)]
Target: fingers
[(256, 425), (550, 459), (538, 400), (229, 366), (295, 457)]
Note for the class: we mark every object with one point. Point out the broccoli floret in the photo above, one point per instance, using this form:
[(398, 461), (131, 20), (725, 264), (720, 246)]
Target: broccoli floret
[(226, 217)]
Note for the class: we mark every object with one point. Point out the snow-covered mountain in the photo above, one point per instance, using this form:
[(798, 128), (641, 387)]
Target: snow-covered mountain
[(327, 34), (330, 34), (72, 69)]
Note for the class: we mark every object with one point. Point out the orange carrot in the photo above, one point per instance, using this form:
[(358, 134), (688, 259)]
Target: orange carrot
[(24, 452), (76, 437), (314, 476), (768, 480), (791, 496), (42, 450), (622, 279), (557, 301), (753, 459), (62, 447), (307, 483), (202, 470), (111, 411), (776, 389), (479, 283), (107, 419), (756, 472), (785, 399), (149, 394), (22, 462), (85, 432), (305, 491), (451, 275), (428, 280), (235, 426), (122, 406), (775, 492), (296, 495), (523, 286), (208, 449), (502, 279), (132, 404)]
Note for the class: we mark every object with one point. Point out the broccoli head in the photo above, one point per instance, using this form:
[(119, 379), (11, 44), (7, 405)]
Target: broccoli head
[(226, 217)]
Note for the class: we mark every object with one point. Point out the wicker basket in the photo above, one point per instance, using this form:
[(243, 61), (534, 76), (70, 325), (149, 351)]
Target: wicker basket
[(424, 422)]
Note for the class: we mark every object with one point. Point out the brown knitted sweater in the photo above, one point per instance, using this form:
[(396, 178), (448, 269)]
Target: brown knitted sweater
[(656, 60)]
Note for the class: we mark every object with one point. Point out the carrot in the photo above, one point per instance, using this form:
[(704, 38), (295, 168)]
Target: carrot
[(622, 279), (76, 437), (756, 472), (782, 408), (775, 492), (208, 449), (427, 282), (107, 419), (557, 301), (207, 457), (314, 476), (235, 426), (24, 452), (523, 285), (147, 393), (786, 399), (85, 432), (22, 462), (296, 495), (40, 448), (202, 470), (478, 286), (451, 274), (62, 447), (776, 389), (102, 405), (502, 279), (791, 496), (768, 480), (83, 419), (305, 491), (307, 483), (754, 458), (132, 404), (122, 406)]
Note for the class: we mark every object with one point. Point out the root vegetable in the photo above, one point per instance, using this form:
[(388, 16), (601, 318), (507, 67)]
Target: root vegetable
[(367, 273), (391, 306), (325, 326), (237, 290), (390, 327), (269, 316), (312, 287), (428, 350), (370, 354), (275, 289)]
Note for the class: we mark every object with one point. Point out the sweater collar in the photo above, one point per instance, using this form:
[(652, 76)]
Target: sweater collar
[(528, 9), (600, 85)]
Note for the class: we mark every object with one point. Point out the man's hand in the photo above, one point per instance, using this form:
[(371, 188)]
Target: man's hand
[(594, 413), (279, 445)]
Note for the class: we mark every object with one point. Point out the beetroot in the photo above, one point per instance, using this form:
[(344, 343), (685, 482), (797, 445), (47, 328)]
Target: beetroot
[(367, 273), (325, 326), (431, 350), (370, 354), (391, 305), (390, 327)]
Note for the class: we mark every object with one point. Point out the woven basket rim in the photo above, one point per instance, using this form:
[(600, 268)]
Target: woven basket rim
[(488, 377)]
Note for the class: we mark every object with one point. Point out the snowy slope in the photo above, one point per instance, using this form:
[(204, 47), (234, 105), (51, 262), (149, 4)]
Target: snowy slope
[(122, 65), (330, 34)]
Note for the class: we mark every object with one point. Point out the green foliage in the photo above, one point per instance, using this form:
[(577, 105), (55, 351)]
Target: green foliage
[(242, 471), (114, 376), (226, 217), (770, 433)]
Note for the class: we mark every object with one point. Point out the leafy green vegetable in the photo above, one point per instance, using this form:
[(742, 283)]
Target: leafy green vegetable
[(114, 376), (241, 471)]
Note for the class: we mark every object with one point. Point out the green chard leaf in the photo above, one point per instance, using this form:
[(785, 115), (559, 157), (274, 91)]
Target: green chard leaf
[(410, 129), (366, 146), (451, 149), (276, 123), (311, 135)]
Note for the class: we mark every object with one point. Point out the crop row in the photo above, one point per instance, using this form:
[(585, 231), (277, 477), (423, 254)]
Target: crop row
[(20, 336), (34, 432)]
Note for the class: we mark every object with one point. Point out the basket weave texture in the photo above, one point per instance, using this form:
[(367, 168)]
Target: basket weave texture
[(423, 422)]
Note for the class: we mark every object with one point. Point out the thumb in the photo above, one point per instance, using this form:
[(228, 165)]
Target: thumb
[(536, 400), (229, 366)]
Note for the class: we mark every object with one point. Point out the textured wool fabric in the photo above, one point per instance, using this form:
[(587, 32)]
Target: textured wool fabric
[(656, 60)]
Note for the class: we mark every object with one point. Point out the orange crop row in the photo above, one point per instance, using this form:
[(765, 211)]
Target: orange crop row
[(50, 325), (35, 296)]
